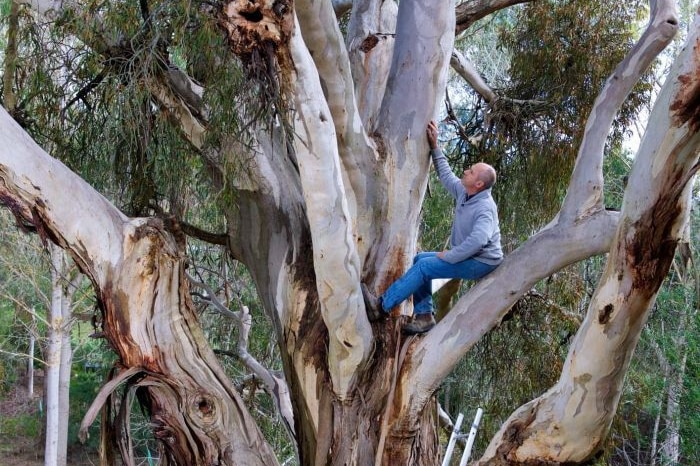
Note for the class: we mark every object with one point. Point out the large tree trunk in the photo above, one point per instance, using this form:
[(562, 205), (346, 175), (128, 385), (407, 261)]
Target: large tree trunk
[(137, 268)]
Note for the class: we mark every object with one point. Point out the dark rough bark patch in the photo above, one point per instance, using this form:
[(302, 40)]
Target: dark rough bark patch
[(605, 313), (381, 146), (412, 437), (173, 226), (29, 218), (652, 248), (312, 330), (514, 436), (417, 446), (686, 105), (396, 270), (369, 43), (312, 342), (206, 236), (251, 23), (177, 446), (115, 324), (23, 217), (259, 32)]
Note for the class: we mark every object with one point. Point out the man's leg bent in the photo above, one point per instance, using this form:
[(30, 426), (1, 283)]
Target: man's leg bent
[(417, 279), (423, 296)]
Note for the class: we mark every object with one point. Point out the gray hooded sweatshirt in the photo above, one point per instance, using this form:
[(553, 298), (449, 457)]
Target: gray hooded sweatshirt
[(475, 230)]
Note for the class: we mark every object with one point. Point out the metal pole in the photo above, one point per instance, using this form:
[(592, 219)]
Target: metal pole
[(470, 440), (453, 439)]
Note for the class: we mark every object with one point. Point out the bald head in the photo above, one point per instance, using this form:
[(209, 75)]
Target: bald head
[(486, 174)]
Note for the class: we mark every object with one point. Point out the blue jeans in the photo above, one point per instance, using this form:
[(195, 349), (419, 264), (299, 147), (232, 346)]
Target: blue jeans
[(417, 280)]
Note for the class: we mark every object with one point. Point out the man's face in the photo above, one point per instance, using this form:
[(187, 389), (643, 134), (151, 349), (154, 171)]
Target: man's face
[(470, 179)]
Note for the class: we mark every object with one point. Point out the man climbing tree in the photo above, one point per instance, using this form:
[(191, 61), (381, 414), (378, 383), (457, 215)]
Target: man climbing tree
[(476, 244)]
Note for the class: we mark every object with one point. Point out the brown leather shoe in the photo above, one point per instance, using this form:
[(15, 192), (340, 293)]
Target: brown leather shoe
[(375, 311), (421, 323)]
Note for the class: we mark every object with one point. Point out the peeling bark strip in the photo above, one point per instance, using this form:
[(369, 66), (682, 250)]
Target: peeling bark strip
[(18, 210), (686, 107)]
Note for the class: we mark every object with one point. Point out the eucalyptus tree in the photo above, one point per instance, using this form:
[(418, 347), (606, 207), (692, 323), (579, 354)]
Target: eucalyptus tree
[(59, 357), (325, 194)]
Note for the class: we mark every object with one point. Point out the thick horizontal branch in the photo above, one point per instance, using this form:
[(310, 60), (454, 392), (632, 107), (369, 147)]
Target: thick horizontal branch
[(43, 192), (203, 235), (470, 12)]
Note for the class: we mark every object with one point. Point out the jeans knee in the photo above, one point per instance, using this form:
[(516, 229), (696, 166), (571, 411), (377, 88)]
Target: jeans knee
[(423, 269), (422, 255)]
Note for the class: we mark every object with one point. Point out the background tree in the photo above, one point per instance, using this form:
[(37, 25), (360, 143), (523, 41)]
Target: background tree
[(314, 199)]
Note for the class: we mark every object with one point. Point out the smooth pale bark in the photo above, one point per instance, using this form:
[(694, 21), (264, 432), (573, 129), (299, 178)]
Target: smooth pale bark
[(64, 376), (336, 261), (585, 193), (370, 43), (466, 70), (173, 99), (270, 234), (59, 355), (322, 36), (68, 288)]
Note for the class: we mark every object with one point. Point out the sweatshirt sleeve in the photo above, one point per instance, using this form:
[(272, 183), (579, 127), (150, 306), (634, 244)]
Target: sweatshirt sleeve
[(484, 226), (449, 180)]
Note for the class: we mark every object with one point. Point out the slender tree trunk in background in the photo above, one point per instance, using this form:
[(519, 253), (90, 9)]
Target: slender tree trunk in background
[(30, 359), (671, 446), (8, 95), (64, 377), (68, 288), (53, 358), (653, 447), (689, 277)]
